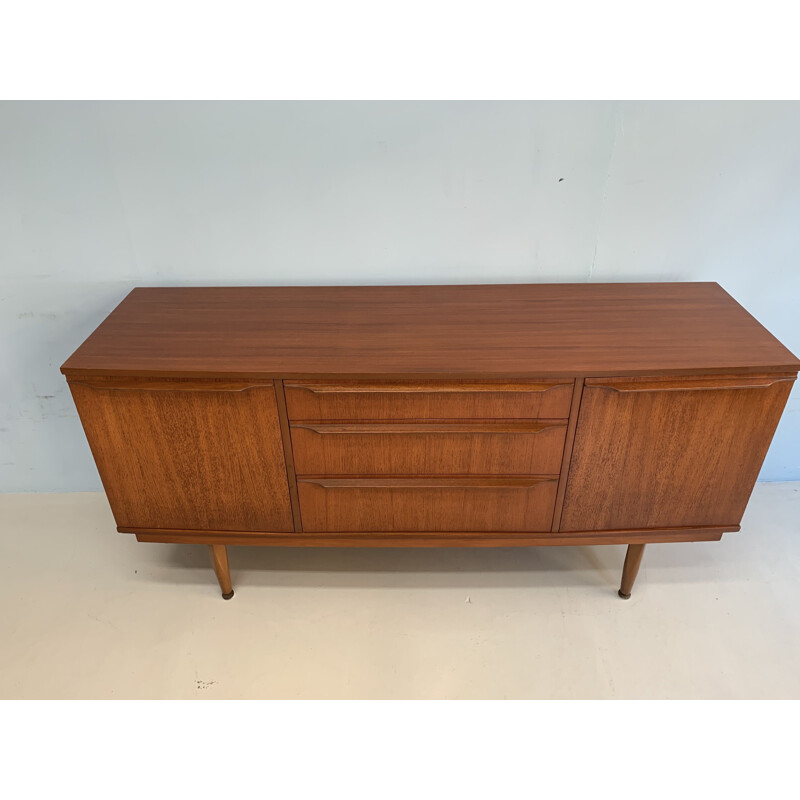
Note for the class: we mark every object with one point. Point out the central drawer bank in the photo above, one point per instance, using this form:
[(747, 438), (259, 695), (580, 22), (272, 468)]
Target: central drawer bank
[(553, 414)]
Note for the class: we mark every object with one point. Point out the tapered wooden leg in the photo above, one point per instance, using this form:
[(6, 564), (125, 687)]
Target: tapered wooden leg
[(219, 558), (632, 560)]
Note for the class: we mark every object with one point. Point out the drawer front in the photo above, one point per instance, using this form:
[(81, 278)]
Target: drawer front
[(350, 400), (428, 448), (426, 504)]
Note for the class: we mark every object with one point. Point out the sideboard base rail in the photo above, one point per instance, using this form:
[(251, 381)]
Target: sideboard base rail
[(456, 539)]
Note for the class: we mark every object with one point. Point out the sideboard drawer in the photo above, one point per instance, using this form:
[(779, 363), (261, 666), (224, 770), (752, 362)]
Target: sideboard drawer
[(426, 504), (386, 400), (428, 448)]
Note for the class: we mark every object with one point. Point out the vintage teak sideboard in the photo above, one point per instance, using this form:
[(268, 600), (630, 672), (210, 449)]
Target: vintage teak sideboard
[(424, 416)]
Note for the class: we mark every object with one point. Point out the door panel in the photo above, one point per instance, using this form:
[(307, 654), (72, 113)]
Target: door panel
[(667, 452), (184, 454)]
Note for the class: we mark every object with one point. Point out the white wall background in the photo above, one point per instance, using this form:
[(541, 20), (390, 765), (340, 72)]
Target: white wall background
[(96, 198)]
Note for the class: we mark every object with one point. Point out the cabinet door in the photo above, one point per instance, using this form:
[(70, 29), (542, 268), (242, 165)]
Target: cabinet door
[(669, 452), (198, 455)]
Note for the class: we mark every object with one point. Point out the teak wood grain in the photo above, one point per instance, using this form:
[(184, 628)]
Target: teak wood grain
[(429, 448), (516, 331), (427, 504), (286, 437), (171, 458), (320, 400), (439, 539), (430, 416), (566, 458), (665, 453)]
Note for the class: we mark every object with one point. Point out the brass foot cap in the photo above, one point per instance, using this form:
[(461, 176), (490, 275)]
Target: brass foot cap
[(620, 593), (230, 594)]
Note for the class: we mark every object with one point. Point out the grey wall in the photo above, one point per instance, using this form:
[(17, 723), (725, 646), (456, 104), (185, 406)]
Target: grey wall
[(96, 198)]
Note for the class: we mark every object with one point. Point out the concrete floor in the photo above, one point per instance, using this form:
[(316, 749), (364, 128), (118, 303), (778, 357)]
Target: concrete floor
[(89, 613)]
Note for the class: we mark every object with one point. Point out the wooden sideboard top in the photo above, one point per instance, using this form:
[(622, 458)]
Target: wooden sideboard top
[(486, 331)]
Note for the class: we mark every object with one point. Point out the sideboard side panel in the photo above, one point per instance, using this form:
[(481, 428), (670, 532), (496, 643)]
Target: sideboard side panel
[(188, 455), (655, 453)]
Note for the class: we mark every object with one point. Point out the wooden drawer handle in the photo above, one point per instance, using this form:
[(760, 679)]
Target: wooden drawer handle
[(407, 388), (429, 483), (688, 384), (167, 385), (536, 426)]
